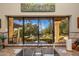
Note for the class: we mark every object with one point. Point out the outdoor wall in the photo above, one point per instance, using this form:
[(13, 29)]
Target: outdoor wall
[(60, 9)]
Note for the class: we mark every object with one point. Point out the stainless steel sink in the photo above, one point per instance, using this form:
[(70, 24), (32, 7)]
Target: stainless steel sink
[(39, 51)]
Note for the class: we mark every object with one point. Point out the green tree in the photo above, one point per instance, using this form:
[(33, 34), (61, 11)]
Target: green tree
[(64, 27), (31, 29)]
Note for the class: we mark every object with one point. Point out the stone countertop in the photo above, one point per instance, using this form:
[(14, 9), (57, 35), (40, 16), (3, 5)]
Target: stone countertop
[(13, 51), (10, 51), (63, 52)]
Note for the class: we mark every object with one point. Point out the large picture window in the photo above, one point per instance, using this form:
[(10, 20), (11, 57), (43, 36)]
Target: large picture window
[(38, 30)]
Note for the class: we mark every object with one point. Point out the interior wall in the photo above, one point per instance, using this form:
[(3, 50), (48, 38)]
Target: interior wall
[(60, 9)]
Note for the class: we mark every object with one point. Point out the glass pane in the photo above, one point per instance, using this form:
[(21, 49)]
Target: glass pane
[(61, 29), (45, 31), (17, 31), (30, 31)]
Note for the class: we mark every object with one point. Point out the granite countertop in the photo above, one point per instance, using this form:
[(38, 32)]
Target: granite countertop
[(13, 51), (63, 52), (10, 51)]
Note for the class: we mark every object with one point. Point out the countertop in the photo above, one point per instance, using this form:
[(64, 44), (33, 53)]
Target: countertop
[(63, 52), (10, 51), (13, 51)]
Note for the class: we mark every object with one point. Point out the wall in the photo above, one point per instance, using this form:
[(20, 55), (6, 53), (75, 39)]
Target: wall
[(61, 9)]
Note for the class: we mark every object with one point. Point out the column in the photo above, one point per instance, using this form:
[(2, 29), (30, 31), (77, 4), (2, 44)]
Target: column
[(10, 28), (57, 30)]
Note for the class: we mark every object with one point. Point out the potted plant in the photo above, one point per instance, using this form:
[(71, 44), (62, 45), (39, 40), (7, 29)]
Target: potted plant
[(2, 38), (0, 44)]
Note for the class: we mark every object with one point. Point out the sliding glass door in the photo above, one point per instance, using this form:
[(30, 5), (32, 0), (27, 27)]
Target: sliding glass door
[(45, 31), (30, 31), (38, 31), (15, 30), (23, 30), (61, 25)]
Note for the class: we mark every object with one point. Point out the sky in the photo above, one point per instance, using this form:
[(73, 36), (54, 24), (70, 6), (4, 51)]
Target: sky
[(42, 23)]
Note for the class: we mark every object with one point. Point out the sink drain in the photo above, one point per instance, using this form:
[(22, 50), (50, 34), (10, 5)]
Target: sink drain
[(38, 54)]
